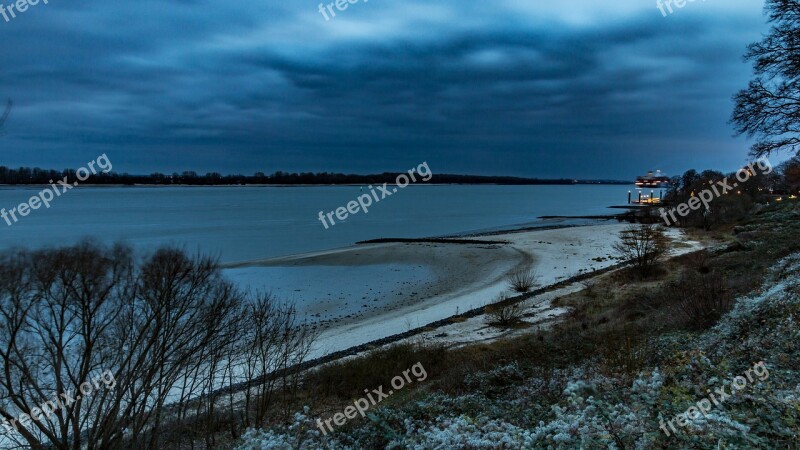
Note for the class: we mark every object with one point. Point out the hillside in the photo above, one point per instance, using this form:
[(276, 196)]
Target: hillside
[(627, 360)]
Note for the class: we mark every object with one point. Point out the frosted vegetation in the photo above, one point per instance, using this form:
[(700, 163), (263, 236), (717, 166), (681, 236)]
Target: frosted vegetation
[(584, 405)]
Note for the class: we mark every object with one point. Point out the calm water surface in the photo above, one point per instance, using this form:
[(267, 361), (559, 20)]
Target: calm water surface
[(245, 223)]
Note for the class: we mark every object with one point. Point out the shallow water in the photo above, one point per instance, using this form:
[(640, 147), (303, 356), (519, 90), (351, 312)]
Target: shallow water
[(323, 293)]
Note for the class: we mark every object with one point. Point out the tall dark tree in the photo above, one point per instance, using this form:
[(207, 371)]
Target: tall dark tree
[(769, 109), (791, 174)]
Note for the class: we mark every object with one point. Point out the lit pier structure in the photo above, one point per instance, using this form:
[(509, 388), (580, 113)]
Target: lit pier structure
[(645, 199)]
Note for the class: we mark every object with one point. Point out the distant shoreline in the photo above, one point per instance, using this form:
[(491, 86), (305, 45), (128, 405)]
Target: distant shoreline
[(135, 185)]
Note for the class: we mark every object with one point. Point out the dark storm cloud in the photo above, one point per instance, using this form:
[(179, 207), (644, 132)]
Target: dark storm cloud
[(472, 88)]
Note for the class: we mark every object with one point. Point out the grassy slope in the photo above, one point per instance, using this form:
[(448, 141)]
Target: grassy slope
[(624, 358)]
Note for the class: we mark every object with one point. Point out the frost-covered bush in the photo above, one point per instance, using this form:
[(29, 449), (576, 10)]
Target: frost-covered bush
[(302, 433), (497, 379)]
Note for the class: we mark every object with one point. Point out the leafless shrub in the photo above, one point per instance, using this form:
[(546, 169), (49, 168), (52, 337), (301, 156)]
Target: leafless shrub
[(643, 245), (502, 314), (522, 280), (627, 351), (590, 287), (699, 261), (700, 299)]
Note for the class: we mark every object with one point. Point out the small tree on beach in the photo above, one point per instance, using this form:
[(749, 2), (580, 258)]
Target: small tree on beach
[(643, 245), (522, 280), (503, 314)]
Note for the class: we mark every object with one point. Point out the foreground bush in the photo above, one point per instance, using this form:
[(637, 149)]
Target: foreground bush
[(643, 245)]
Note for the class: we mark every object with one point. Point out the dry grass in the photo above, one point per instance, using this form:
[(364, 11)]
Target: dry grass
[(348, 379)]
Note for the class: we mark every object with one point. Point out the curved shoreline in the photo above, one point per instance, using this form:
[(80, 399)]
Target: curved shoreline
[(432, 330), (467, 275), (382, 277)]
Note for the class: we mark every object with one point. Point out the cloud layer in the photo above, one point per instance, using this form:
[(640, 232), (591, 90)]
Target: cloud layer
[(573, 88)]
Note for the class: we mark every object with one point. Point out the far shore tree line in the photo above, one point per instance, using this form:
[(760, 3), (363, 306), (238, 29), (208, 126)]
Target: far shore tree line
[(37, 176)]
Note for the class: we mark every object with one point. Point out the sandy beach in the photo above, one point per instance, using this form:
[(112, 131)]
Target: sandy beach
[(367, 292)]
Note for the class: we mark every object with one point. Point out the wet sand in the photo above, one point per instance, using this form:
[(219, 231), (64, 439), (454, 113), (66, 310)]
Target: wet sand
[(409, 285)]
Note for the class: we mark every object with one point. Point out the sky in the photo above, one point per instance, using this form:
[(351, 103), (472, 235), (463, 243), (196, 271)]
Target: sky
[(550, 89)]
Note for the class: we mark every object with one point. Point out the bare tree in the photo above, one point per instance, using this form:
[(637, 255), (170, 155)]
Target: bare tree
[(700, 298), (522, 280), (275, 341), (643, 245), (169, 329), (502, 314), (769, 109), (56, 308)]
